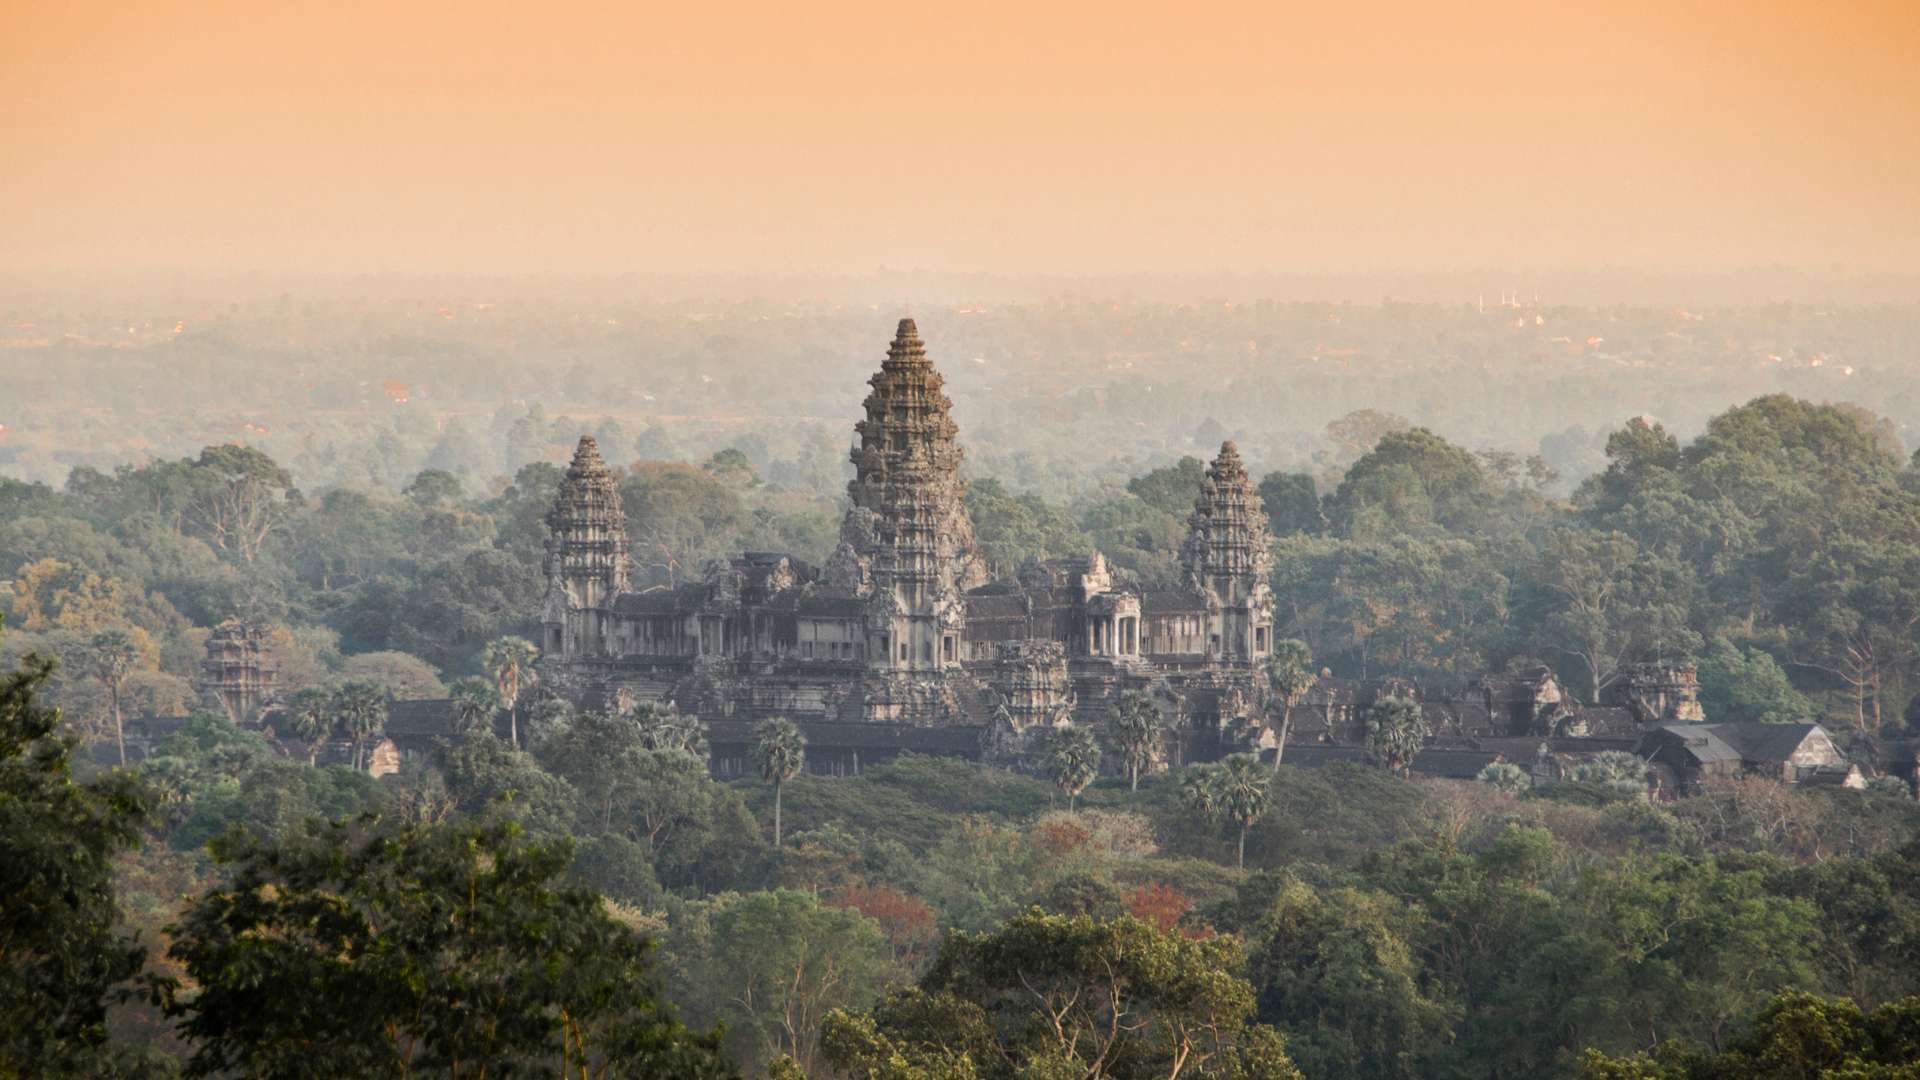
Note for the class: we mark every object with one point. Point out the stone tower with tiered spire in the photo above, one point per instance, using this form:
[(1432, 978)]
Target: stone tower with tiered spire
[(239, 671), (1226, 558), (586, 560), (907, 543)]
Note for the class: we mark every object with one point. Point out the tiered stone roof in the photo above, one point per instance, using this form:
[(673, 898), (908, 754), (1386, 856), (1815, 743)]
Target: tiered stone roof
[(589, 541), (1227, 531), (239, 669), (907, 475)]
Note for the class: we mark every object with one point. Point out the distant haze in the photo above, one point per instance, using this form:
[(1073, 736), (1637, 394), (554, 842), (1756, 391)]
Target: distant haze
[(1033, 138)]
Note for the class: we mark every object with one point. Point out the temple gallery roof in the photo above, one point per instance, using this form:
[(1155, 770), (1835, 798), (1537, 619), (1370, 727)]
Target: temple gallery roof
[(1448, 764), (833, 735)]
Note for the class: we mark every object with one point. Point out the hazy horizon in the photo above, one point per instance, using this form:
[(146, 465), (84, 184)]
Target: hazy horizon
[(1071, 140)]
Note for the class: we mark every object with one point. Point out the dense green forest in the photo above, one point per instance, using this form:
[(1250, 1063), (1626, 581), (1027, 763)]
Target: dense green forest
[(591, 898)]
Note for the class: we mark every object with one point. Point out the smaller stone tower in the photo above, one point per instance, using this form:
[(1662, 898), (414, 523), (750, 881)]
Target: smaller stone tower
[(586, 562), (1658, 693), (1226, 557), (239, 671)]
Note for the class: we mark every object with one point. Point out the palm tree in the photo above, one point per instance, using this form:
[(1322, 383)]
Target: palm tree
[(1073, 760), (310, 719), (510, 661), (169, 781), (111, 655), (473, 701), (1135, 728), (663, 727), (1290, 675), (780, 750), (1200, 789), (1505, 776), (360, 708), (1242, 790), (1396, 730), (1616, 770)]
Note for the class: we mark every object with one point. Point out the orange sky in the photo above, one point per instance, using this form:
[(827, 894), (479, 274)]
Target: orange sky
[(1075, 138)]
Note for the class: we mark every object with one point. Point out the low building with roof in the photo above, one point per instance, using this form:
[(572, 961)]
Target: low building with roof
[(1687, 756)]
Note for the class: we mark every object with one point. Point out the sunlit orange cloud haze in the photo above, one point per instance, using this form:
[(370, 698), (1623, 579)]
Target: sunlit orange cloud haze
[(1068, 138)]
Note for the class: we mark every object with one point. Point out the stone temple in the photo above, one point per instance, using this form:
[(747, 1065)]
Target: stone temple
[(902, 641)]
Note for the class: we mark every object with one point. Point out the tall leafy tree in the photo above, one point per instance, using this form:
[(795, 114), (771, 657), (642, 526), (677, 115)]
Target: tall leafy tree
[(780, 752), (510, 661), (1136, 728), (490, 780), (1292, 504), (62, 952), (604, 758), (547, 718), (1855, 605), (1072, 759), (1607, 602), (1013, 529), (241, 497), (359, 710), (1170, 488), (682, 516), (1340, 973), (1067, 996), (433, 488), (771, 966), (1797, 1035), (110, 658), (448, 951), (1407, 480), (1748, 684)]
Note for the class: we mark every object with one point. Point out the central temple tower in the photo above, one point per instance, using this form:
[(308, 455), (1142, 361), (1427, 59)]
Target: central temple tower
[(907, 542)]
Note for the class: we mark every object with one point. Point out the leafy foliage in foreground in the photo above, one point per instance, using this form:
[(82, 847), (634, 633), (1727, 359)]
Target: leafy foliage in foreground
[(1798, 1037), (1066, 996), (444, 951), (62, 951)]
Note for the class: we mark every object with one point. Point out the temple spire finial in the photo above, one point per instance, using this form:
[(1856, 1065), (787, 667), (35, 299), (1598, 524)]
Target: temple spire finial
[(907, 347), (587, 453)]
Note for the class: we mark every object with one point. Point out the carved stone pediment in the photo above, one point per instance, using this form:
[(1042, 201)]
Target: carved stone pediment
[(847, 569), (882, 607)]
